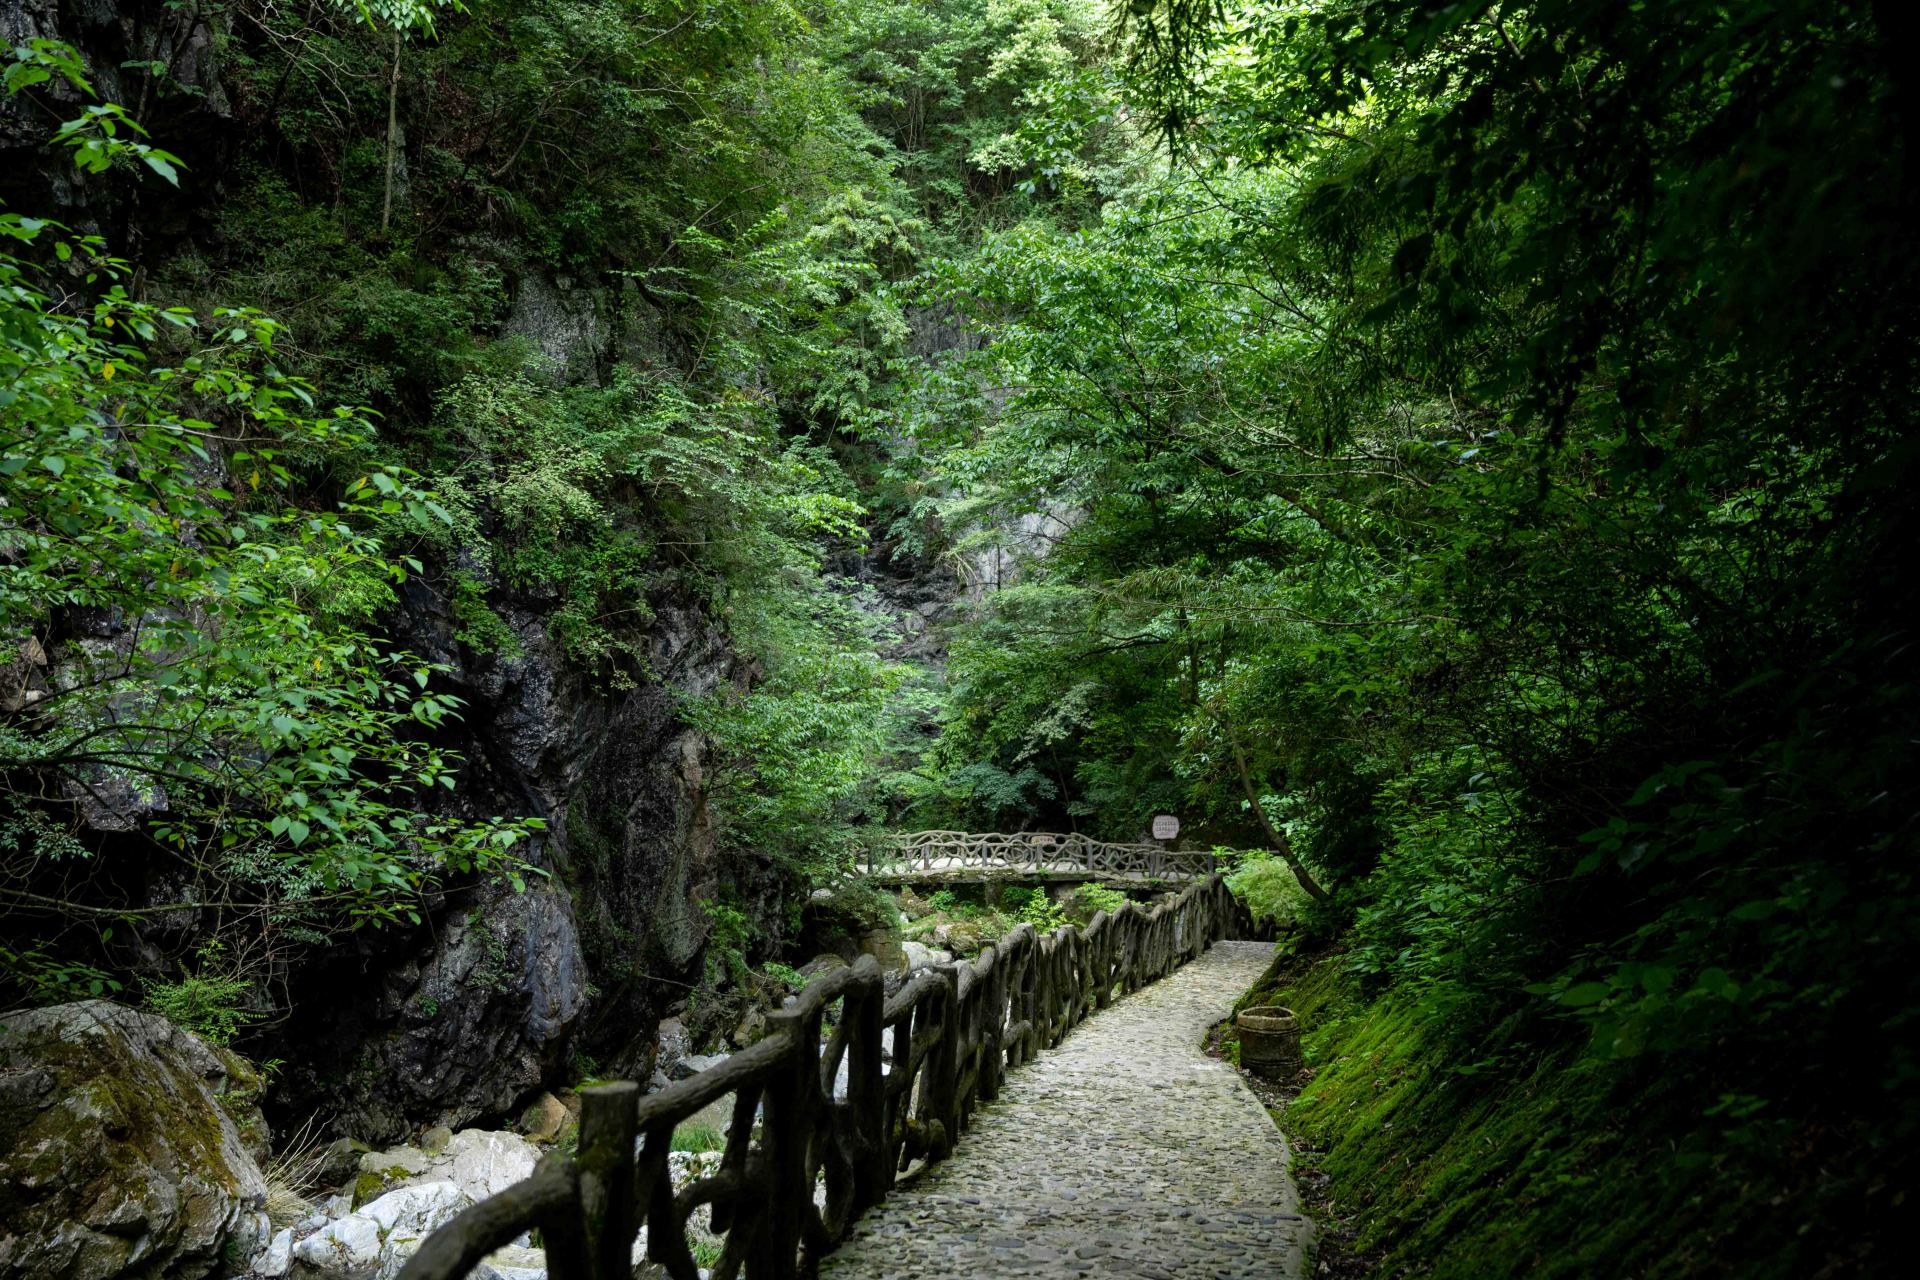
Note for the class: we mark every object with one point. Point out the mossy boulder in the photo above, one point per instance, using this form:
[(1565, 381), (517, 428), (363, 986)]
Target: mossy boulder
[(381, 1171), (126, 1147), (543, 1120)]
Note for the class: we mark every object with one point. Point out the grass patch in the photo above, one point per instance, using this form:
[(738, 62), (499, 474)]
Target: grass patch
[(697, 1137)]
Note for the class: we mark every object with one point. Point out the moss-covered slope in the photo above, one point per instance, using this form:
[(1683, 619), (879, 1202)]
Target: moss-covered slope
[(1487, 1155)]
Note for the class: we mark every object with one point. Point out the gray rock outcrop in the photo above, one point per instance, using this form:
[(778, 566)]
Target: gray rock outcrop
[(467, 1019), (125, 1147)]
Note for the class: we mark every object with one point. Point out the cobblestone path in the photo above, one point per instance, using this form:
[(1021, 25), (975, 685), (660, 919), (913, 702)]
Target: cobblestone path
[(1124, 1152)]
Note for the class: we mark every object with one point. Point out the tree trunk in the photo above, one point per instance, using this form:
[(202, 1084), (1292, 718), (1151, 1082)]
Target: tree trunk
[(393, 132), (1281, 845)]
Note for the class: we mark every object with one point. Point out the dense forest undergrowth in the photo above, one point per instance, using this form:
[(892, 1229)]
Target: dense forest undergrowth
[(1461, 449)]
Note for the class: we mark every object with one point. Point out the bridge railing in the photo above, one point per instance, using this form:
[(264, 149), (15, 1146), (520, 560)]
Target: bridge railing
[(929, 851), (828, 1144)]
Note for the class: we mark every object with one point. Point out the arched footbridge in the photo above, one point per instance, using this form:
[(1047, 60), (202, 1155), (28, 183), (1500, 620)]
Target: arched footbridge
[(1043, 1110), (958, 857)]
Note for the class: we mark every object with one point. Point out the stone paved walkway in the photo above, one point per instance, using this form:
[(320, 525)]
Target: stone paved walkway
[(1124, 1152)]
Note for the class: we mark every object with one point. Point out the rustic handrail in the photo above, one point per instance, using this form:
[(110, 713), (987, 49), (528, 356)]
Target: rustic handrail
[(1034, 851), (956, 1029)]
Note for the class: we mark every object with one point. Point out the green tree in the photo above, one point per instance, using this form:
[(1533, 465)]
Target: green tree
[(188, 619), (1497, 432)]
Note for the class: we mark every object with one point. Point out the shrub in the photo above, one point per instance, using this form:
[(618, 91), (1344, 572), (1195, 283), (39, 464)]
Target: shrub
[(209, 1003), (1092, 899), (1269, 888), (1034, 907)]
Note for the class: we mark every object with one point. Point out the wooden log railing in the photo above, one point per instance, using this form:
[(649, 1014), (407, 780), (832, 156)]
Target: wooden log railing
[(1035, 851), (789, 1188)]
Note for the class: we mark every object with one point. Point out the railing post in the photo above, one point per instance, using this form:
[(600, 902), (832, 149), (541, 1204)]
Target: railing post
[(1100, 964), (1060, 1007), (656, 1185), (1069, 980), (866, 1084), (992, 1002), (608, 1114), (1042, 992), (943, 1067), (787, 1132), (1030, 980)]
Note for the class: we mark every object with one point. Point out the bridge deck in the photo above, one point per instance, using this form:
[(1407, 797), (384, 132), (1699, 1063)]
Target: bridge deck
[(955, 856), (971, 871), (1124, 1152)]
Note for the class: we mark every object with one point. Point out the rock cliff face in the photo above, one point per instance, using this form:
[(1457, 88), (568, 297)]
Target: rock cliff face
[(184, 102), (460, 1020)]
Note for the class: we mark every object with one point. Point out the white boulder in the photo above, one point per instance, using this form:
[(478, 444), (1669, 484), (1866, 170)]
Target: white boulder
[(347, 1249), (278, 1258), (921, 956), (374, 1242), (483, 1163)]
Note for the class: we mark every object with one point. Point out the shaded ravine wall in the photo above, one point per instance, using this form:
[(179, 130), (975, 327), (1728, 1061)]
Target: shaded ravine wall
[(496, 994)]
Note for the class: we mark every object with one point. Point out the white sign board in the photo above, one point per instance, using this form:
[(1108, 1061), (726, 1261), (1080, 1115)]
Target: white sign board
[(1166, 827)]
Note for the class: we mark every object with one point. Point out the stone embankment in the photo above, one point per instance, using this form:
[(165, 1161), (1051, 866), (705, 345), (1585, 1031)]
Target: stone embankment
[(1124, 1152)]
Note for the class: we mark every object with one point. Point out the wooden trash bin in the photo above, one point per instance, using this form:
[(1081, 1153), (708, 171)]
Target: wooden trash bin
[(1270, 1042)]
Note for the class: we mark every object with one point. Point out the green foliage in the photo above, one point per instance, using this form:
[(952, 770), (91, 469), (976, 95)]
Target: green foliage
[(795, 757), (1270, 889), (1033, 906), (211, 1002), (1091, 899), (1476, 470), (784, 974), (224, 532), (45, 977), (400, 15), (276, 721), (958, 90), (104, 136), (697, 1137), (653, 278), (728, 939)]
